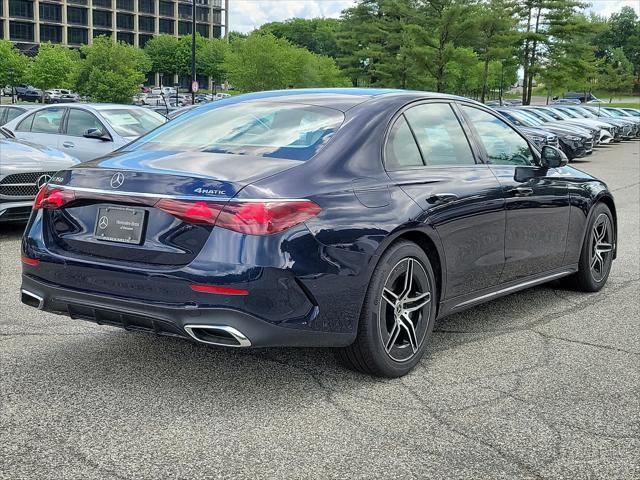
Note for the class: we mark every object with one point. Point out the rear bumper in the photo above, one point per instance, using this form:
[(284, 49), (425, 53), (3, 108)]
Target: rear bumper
[(165, 319)]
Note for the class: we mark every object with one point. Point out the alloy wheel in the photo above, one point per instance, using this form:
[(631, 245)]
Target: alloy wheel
[(405, 309), (601, 247)]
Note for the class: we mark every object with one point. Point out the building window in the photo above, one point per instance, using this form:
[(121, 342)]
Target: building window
[(21, 8), (217, 32), (203, 29), (102, 33), (146, 6), (77, 36), (125, 37), (50, 33), (124, 5), (184, 11), (101, 18), (166, 9), (146, 24), (50, 12), (166, 26), (78, 2), (77, 15), (21, 31), (102, 3), (184, 28), (125, 21), (217, 17), (143, 39), (202, 14)]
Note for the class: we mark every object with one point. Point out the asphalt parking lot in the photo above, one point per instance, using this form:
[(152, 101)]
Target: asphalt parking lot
[(540, 384)]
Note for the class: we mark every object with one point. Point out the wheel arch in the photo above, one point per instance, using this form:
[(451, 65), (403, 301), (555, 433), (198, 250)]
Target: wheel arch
[(607, 199), (430, 244)]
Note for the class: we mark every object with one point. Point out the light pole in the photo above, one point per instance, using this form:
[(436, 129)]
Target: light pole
[(193, 53), (11, 73), (161, 75)]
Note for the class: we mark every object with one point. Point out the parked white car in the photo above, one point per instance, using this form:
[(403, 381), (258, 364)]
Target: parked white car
[(85, 131), (163, 90)]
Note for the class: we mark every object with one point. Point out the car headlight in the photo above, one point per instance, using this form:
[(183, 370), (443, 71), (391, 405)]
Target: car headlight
[(573, 138), (536, 139)]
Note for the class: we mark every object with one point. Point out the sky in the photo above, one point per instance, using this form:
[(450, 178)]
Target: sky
[(246, 15)]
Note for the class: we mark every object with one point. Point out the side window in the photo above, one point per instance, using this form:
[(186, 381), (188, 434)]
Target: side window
[(503, 144), (25, 124), (47, 120), (13, 113), (401, 150), (440, 135), (79, 121)]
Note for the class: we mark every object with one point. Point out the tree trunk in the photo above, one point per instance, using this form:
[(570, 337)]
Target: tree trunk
[(484, 78)]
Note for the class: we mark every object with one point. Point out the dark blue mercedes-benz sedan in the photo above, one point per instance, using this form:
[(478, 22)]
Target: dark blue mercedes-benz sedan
[(348, 218)]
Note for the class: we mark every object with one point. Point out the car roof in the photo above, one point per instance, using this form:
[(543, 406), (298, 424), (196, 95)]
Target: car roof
[(338, 98)]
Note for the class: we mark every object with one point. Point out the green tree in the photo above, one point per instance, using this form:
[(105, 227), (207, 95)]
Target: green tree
[(183, 54), (495, 36), (53, 66), (615, 73), (445, 27), (541, 22), (162, 51), (318, 35), (377, 39), (111, 72), (210, 59), (260, 62), (11, 60), (622, 31)]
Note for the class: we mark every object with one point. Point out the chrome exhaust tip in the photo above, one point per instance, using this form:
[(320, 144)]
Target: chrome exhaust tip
[(31, 299), (220, 335)]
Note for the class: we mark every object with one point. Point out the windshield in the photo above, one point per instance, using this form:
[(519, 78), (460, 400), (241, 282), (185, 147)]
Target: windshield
[(263, 129), (541, 115), (132, 122), (569, 113), (555, 114)]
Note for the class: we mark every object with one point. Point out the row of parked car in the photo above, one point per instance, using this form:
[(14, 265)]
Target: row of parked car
[(38, 140), (575, 129)]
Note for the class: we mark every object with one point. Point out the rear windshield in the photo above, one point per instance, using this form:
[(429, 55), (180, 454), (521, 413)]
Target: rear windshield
[(264, 129), (132, 122)]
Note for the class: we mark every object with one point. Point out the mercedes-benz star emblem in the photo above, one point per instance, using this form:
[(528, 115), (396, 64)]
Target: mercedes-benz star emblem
[(42, 180), (103, 223), (117, 180)]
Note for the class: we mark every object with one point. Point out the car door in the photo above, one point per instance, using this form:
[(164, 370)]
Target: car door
[(42, 127), (536, 198), (429, 156), (74, 143)]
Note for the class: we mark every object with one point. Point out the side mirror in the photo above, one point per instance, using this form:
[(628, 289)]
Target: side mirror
[(97, 134), (553, 157), (7, 132)]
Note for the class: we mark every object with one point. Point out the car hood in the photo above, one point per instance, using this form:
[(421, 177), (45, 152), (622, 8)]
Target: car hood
[(17, 156)]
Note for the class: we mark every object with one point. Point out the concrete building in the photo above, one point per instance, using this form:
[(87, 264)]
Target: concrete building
[(28, 23)]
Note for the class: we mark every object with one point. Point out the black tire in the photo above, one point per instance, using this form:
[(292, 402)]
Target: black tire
[(392, 335), (588, 278)]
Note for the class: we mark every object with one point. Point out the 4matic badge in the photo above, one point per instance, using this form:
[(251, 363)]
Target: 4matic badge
[(207, 191)]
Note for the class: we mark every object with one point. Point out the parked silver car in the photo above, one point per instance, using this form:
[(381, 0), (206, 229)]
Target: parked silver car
[(24, 168), (85, 131), (13, 110)]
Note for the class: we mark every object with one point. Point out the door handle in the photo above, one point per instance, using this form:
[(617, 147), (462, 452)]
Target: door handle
[(442, 198), (521, 191), (68, 144)]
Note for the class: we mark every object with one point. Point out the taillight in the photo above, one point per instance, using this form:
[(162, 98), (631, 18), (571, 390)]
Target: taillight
[(253, 218), (30, 261), (218, 290), (53, 198)]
